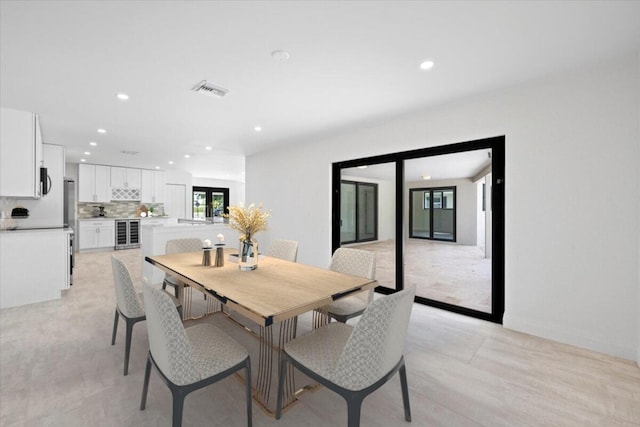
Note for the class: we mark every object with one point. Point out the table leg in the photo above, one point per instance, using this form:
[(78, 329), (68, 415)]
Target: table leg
[(264, 383)]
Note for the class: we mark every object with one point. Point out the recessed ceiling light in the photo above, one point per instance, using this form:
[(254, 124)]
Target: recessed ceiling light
[(102, 131), (426, 177), (170, 162), (92, 143), (157, 167), (363, 167), (208, 148), (280, 55), (122, 96), (86, 153), (257, 128), (427, 64), (186, 156), (83, 160)]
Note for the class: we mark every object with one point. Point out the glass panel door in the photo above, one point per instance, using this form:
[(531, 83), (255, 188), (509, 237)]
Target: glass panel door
[(367, 206), (199, 207), (210, 203), (347, 212), (443, 254)]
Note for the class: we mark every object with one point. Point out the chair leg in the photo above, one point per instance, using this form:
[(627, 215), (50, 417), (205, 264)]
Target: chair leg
[(145, 387), (178, 404), (127, 348), (354, 405), (247, 379), (405, 393), (115, 328), (282, 373)]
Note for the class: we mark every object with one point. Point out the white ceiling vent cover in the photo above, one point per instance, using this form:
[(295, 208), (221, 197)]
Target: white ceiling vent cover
[(210, 89)]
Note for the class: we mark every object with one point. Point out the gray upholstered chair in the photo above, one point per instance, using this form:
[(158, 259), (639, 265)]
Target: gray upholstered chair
[(357, 263), (188, 359), (128, 305), (177, 246), (284, 249), (355, 361)]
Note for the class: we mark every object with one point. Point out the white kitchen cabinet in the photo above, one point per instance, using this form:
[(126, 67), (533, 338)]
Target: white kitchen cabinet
[(96, 234), (94, 183), (152, 190), (34, 266), (20, 154), (125, 177)]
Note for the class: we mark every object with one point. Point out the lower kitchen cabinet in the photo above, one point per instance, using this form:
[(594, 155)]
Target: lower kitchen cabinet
[(96, 234), (35, 266)]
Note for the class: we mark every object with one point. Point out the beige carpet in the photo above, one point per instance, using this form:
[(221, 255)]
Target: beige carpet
[(446, 272)]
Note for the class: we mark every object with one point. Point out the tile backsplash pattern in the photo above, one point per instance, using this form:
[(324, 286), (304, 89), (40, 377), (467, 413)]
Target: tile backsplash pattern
[(118, 209)]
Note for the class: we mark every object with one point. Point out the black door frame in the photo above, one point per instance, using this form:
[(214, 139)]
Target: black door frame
[(497, 146), (209, 198)]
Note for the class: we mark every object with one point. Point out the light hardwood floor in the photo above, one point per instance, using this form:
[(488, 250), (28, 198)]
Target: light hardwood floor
[(442, 271), (57, 368)]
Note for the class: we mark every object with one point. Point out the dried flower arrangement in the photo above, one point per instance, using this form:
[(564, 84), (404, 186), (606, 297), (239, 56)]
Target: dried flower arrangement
[(247, 220)]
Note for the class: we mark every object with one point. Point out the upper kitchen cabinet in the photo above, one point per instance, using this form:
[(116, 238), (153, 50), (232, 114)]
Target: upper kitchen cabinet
[(125, 177), (152, 190), (94, 183), (20, 154)]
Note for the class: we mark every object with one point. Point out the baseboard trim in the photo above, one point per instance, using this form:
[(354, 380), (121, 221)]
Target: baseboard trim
[(572, 337)]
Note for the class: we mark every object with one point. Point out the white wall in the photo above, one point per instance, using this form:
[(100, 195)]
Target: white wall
[(571, 168)]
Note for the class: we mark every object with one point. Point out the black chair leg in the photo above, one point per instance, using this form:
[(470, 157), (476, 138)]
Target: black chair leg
[(145, 387), (247, 379), (178, 404), (115, 328), (405, 393), (127, 348), (354, 405)]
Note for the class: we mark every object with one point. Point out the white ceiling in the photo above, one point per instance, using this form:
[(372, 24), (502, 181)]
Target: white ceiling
[(352, 64)]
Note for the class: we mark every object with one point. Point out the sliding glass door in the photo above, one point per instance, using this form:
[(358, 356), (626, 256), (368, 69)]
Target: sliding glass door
[(358, 212), (446, 205), (432, 213)]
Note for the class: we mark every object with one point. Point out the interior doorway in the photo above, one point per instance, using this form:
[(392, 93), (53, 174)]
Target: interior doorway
[(452, 259)]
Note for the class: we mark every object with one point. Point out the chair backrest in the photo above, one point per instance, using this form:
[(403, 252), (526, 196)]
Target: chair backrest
[(126, 295), (168, 342), (284, 249), (177, 246), (357, 263), (377, 341)]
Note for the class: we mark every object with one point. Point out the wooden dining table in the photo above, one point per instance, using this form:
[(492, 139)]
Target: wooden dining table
[(273, 295)]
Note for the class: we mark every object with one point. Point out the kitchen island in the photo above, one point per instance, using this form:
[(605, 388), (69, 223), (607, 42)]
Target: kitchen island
[(154, 240)]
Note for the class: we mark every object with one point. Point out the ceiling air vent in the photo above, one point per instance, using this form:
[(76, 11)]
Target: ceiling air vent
[(210, 89), (129, 152)]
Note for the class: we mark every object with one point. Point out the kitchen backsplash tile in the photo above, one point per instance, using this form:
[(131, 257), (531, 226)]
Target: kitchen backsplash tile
[(118, 209)]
